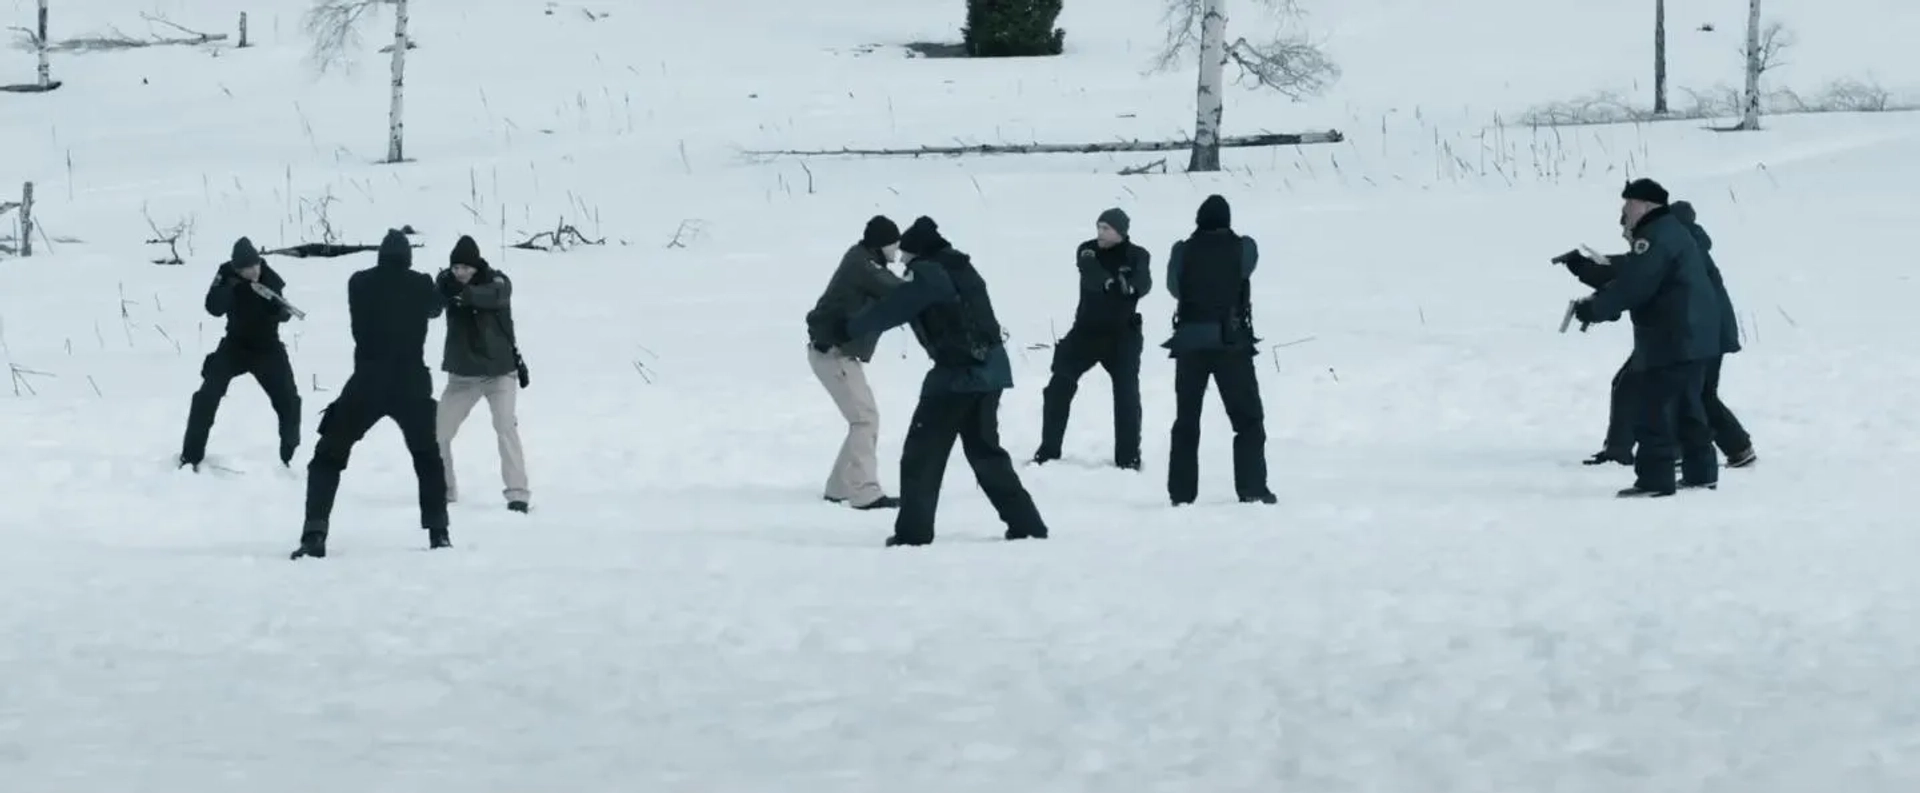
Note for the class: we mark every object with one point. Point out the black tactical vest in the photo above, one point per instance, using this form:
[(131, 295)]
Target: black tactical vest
[(1212, 285)]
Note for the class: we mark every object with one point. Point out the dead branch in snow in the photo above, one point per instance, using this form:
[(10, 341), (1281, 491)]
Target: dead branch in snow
[(1241, 141)]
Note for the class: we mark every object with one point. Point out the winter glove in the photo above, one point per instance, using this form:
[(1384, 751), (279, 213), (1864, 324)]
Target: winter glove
[(448, 286), (1583, 311)]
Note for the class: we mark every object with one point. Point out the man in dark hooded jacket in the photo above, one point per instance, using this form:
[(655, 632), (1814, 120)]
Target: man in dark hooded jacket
[(1677, 333), (861, 280), (1209, 274), (1728, 433), (945, 300), (243, 291), (390, 305), (1114, 275), (482, 361)]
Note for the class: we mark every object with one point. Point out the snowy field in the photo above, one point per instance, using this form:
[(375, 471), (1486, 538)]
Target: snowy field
[(1444, 601)]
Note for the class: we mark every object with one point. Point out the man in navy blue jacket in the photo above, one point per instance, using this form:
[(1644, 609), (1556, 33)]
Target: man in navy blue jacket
[(945, 300)]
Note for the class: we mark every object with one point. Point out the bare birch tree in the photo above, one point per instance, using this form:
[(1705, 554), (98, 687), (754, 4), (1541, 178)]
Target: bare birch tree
[(1750, 117), (1659, 57), (1765, 51), (1291, 65), (334, 26)]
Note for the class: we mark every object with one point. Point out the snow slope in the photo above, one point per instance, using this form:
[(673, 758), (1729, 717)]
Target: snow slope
[(1443, 601)]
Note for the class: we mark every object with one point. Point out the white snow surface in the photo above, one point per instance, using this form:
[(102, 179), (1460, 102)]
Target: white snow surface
[(1443, 601)]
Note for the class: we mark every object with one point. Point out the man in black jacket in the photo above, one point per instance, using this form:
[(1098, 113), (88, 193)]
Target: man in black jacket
[(390, 305), (1728, 433), (242, 292), (1114, 275), (945, 300), (861, 280), (481, 360), (1663, 283), (1210, 274)]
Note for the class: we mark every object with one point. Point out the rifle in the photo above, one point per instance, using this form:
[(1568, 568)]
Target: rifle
[(267, 292)]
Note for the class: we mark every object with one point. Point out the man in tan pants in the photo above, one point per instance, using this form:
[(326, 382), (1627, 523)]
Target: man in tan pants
[(861, 279), (482, 362)]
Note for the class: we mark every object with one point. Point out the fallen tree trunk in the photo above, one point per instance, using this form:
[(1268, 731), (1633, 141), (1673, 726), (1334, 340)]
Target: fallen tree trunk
[(322, 250), (1238, 142)]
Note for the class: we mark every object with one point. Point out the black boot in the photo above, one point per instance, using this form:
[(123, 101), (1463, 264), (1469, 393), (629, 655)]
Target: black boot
[(517, 506), (883, 502), (313, 542), (437, 538), (1260, 498)]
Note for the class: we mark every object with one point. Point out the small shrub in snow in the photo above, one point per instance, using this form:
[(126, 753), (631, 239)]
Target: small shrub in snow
[(1012, 28)]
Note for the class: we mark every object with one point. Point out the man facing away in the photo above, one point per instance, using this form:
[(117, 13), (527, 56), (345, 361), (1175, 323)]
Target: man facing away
[(481, 360), (1114, 275), (945, 300), (861, 280), (1209, 274), (1676, 312), (389, 305), (240, 292)]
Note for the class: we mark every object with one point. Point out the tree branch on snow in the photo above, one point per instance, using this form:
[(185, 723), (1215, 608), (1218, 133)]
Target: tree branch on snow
[(170, 237), (688, 231), (562, 237), (1242, 141), (114, 39)]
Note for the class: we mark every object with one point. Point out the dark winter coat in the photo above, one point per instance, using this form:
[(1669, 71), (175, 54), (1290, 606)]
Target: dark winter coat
[(946, 301), (480, 341), (1112, 281), (390, 305), (1663, 284), (861, 280), (1729, 320), (1209, 275), (253, 321)]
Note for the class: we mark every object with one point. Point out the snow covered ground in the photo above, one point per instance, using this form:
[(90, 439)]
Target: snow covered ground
[(1444, 600)]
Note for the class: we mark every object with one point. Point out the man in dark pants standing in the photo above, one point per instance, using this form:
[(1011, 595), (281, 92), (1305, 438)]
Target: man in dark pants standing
[(945, 300), (1728, 434), (1114, 275), (1209, 274), (1676, 313), (251, 346), (390, 305)]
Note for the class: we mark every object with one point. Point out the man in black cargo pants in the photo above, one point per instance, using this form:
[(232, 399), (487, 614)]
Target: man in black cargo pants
[(251, 346), (390, 305), (1208, 273), (1114, 275), (945, 300)]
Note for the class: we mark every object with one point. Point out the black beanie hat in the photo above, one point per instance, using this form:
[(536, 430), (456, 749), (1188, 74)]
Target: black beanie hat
[(880, 232), (467, 252), (1646, 190), (395, 251), (1117, 218), (244, 254), (1214, 214), (923, 237)]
